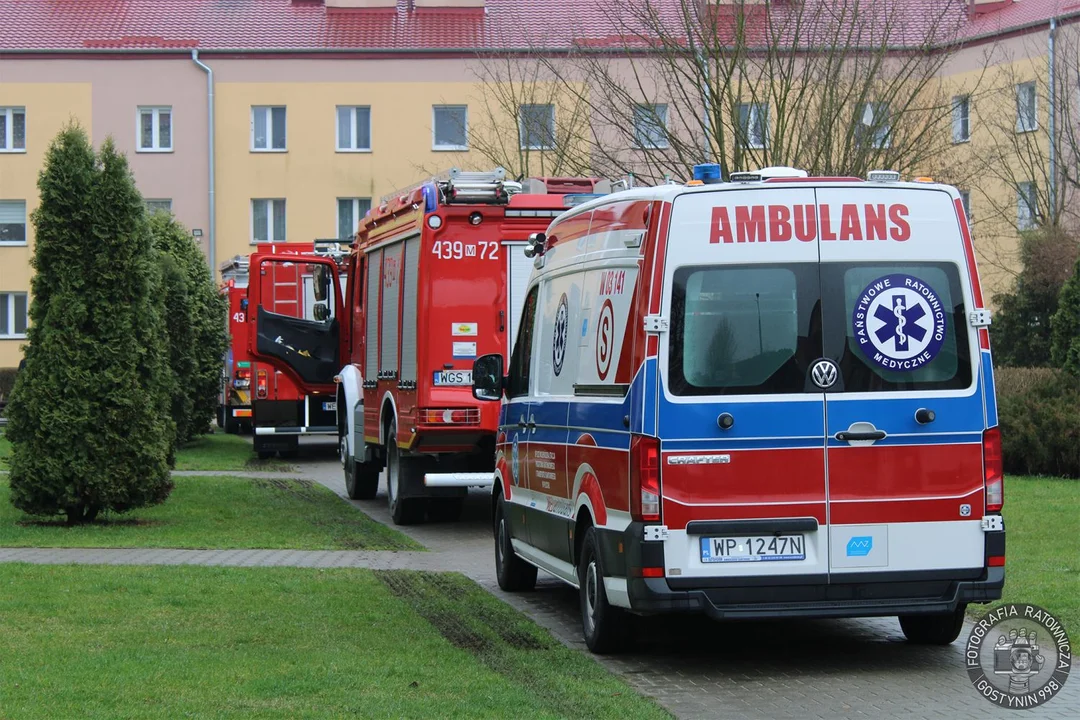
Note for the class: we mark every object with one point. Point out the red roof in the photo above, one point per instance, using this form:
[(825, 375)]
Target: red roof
[(307, 25)]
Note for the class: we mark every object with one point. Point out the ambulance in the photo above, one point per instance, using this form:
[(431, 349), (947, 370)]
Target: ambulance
[(769, 396)]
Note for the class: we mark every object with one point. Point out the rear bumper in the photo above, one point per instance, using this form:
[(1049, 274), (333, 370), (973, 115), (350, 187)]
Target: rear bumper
[(804, 596)]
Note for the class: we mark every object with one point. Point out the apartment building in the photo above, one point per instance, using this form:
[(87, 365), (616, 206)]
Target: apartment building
[(319, 107)]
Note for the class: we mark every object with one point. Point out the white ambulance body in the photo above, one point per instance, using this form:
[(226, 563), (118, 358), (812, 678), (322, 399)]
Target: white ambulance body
[(755, 399)]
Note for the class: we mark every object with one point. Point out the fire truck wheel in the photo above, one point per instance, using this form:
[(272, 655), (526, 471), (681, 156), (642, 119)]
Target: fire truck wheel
[(361, 479), (513, 573), (933, 629), (603, 625), (404, 511), (445, 509)]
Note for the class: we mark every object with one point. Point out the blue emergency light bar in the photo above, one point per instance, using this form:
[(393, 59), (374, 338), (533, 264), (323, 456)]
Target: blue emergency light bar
[(707, 173), (431, 198)]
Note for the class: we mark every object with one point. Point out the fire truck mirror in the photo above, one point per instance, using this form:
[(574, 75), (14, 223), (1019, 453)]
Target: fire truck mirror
[(322, 312), (488, 377), (321, 276)]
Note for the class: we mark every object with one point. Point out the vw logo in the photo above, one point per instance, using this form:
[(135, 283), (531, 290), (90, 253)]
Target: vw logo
[(824, 374)]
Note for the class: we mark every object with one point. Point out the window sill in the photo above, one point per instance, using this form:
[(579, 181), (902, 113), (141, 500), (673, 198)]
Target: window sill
[(13, 151), (963, 141), (449, 148), (152, 151), (270, 151), (12, 337), (4, 244), (651, 147), (355, 151), (1021, 131), (267, 242), (538, 149)]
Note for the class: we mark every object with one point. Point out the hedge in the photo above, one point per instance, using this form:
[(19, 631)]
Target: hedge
[(7, 381), (1039, 414)]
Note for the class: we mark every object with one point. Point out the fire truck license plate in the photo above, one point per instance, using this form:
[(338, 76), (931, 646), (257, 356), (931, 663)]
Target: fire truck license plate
[(754, 548), (453, 377)]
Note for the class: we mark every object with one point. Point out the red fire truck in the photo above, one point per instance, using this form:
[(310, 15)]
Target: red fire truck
[(282, 406), (436, 278)]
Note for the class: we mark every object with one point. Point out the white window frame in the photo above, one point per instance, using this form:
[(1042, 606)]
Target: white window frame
[(11, 314), (521, 127), (268, 110), (961, 121), (753, 112), (1027, 208), (26, 227), (869, 132), (269, 221), (434, 135), (351, 147), (155, 112), (650, 110), (1021, 118), (8, 141), (355, 201)]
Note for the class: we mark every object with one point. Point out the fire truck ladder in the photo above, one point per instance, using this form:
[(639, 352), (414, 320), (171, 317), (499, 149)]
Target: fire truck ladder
[(458, 186)]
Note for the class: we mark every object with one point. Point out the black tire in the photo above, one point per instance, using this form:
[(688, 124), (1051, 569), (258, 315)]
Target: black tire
[(603, 625), (403, 511), (933, 629), (265, 454), (446, 510), (361, 479), (513, 573)]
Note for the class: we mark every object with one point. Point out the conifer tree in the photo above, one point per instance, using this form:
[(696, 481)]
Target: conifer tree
[(1065, 346), (88, 418)]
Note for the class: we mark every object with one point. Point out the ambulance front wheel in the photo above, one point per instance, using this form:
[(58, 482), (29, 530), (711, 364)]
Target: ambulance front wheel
[(940, 629), (513, 573), (603, 625)]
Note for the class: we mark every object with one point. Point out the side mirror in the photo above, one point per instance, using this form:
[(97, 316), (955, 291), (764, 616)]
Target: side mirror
[(322, 312), (320, 276), (488, 377)]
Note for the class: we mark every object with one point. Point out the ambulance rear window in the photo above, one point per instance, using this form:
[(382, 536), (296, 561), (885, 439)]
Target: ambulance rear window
[(742, 329), (896, 326)]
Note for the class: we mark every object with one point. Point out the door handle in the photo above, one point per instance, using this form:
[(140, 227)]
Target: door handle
[(521, 423), (848, 435)]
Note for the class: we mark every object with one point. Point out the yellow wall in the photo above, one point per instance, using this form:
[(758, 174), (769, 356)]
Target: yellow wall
[(311, 174), (48, 107)]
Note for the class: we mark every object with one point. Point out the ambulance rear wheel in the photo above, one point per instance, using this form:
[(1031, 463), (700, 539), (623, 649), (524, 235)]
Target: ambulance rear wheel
[(403, 511), (933, 629), (603, 625), (513, 573)]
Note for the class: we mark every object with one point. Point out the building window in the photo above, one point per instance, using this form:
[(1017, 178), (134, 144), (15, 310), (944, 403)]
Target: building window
[(450, 127), (754, 124), (650, 125), (267, 128), (12, 129), (349, 213), (873, 125), (159, 205), (1026, 120), (536, 127), (1027, 211), (12, 222), (268, 220), (353, 129), (155, 129), (961, 119), (13, 316), (965, 198)]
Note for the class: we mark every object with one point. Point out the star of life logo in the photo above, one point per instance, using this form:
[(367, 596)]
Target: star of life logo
[(562, 325), (899, 322)]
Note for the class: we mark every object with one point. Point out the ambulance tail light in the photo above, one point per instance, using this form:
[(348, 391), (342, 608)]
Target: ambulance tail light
[(262, 385), (450, 416), (995, 477), (645, 478)]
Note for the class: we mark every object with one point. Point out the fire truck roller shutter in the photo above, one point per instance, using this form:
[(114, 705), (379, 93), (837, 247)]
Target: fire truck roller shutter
[(408, 310), (371, 361), (391, 301), (519, 268)]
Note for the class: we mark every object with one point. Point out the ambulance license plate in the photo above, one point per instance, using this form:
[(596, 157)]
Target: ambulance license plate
[(754, 548), (453, 377), (329, 405)]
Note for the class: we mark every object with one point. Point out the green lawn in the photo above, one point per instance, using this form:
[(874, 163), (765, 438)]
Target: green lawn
[(154, 642), (218, 512), (1042, 546), (221, 451), (5, 450)]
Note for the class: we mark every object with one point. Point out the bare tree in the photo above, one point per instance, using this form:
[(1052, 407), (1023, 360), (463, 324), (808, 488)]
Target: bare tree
[(835, 88)]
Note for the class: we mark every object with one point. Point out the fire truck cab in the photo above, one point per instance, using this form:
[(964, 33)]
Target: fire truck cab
[(765, 397), (437, 278)]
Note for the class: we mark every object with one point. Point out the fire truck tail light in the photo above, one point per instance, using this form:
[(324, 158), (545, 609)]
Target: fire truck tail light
[(261, 384), (995, 480), (645, 478), (243, 374), (449, 416)]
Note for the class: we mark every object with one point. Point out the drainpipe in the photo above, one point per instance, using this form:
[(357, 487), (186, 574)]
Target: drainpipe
[(1053, 119), (212, 242)]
